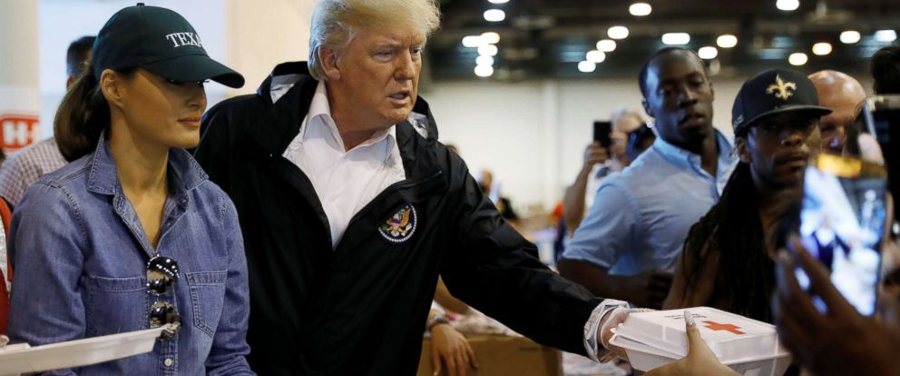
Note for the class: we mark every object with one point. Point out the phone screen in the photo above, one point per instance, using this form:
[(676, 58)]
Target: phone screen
[(602, 131), (842, 225)]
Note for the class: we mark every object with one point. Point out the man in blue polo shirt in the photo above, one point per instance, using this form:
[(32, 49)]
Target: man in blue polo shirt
[(627, 246)]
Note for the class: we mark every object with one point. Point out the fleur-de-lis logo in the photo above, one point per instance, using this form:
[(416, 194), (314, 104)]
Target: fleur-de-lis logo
[(781, 89)]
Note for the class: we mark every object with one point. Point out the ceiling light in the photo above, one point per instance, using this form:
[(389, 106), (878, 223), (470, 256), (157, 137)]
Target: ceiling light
[(595, 56), (726, 41), (821, 48), (787, 5), (484, 60), (606, 45), (487, 50), (618, 32), (472, 41), (798, 58), (587, 67), (484, 70), (639, 9), (676, 39), (850, 37), (498, 1), (490, 37), (886, 36), (494, 15), (708, 52)]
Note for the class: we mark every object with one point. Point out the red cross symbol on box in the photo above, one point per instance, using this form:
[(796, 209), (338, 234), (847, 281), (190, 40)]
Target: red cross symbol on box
[(712, 325)]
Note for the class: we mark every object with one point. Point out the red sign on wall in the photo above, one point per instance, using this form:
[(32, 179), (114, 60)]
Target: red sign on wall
[(18, 131)]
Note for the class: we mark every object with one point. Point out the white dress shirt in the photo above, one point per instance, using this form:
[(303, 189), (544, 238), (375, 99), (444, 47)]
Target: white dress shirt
[(344, 180)]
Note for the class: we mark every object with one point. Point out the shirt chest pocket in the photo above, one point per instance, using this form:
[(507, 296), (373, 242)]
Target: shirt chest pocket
[(115, 305), (207, 298)]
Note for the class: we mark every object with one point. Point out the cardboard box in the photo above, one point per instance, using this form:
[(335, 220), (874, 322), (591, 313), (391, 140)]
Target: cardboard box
[(504, 356)]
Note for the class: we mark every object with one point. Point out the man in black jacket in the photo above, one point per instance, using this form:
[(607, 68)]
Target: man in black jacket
[(350, 209)]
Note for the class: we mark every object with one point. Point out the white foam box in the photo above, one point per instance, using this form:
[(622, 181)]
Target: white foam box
[(21, 358), (750, 347)]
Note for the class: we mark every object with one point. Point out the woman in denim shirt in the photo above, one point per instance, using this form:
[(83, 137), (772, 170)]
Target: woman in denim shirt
[(131, 234)]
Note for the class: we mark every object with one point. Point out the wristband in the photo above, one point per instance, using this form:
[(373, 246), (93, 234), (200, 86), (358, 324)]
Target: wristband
[(437, 320)]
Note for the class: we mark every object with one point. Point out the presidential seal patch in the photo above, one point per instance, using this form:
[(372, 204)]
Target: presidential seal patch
[(400, 226)]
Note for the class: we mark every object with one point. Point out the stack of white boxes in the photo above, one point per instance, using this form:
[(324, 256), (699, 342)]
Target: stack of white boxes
[(22, 358), (750, 347)]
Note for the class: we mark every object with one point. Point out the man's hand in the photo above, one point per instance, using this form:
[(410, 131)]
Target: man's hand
[(450, 348), (594, 154), (700, 359), (648, 289), (825, 342), (604, 332)]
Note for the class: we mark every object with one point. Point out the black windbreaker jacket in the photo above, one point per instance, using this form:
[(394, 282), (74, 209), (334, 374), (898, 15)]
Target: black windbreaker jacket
[(360, 309)]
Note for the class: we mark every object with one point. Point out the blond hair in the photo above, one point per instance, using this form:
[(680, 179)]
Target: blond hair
[(335, 21), (624, 112)]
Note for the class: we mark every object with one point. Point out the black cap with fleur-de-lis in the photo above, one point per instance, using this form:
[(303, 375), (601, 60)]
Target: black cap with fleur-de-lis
[(774, 91)]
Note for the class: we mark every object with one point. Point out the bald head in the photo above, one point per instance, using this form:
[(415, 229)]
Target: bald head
[(843, 95)]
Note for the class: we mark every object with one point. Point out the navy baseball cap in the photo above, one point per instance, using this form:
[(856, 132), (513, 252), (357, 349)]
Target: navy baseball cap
[(771, 92), (160, 41)]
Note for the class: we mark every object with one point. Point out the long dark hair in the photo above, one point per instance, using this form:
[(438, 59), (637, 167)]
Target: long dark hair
[(82, 116), (733, 229)]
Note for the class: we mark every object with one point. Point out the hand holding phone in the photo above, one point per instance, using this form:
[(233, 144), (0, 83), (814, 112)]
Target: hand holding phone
[(825, 343), (595, 154)]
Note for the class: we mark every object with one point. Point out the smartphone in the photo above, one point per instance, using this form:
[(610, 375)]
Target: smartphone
[(602, 130), (882, 119), (842, 224)]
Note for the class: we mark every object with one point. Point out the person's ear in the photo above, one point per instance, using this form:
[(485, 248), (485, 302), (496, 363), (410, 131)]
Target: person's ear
[(647, 108), (111, 85), (743, 149), (329, 59)]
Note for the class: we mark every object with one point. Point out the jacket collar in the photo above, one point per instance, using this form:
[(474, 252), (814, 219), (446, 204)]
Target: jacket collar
[(184, 172), (282, 120), (321, 109), (286, 113), (415, 139)]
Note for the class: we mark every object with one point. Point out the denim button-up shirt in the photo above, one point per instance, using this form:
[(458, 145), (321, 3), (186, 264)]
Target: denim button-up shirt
[(80, 256), (641, 217)]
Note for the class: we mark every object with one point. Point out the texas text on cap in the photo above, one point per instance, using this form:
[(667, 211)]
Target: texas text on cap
[(771, 92), (160, 41)]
